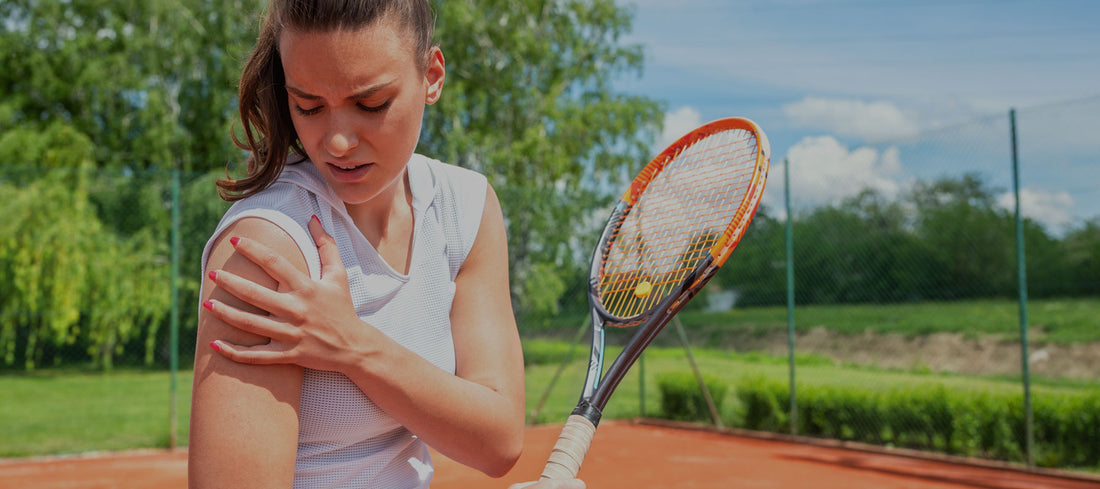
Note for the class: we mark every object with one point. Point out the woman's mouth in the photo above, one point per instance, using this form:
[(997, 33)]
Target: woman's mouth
[(346, 172)]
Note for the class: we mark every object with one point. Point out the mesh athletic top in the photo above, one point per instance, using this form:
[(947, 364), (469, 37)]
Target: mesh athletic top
[(344, 440)]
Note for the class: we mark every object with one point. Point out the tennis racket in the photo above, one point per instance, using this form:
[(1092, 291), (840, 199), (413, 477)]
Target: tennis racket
[(669, 233)]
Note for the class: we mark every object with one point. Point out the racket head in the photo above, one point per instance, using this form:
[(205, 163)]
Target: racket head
[(683, 214), (669, 234)]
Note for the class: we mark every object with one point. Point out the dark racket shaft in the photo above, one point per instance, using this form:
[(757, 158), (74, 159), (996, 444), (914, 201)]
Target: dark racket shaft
[(671, 231)]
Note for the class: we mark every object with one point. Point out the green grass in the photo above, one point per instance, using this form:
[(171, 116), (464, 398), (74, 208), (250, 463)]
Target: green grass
[(59, 412), (1063, 321)]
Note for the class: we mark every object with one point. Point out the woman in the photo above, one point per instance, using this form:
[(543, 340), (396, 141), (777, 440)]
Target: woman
[(357, 303)]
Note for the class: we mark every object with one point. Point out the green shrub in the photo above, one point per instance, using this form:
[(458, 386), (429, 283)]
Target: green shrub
[(682, 399), (933, 417), (765, 402)]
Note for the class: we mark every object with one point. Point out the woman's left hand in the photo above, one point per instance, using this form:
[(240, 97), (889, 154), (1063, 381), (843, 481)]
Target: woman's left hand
[(311, 323)]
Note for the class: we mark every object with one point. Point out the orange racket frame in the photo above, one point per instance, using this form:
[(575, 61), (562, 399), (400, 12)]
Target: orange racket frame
[(650, 317)]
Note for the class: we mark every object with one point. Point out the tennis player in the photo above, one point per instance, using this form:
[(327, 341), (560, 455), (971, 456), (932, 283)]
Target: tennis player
[(356, 298)]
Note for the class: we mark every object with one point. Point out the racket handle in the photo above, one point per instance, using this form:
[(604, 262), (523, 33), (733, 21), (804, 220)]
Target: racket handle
[(565, 460)]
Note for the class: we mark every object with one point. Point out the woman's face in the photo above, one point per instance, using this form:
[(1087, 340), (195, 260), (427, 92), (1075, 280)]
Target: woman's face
[(357, 100)]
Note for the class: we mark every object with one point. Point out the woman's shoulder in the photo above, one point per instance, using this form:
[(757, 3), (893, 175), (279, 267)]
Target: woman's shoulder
[(458, 196), (446, 174), (279, 212)]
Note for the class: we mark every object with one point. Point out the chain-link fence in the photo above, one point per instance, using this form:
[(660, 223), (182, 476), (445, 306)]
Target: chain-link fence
[(876, 297)]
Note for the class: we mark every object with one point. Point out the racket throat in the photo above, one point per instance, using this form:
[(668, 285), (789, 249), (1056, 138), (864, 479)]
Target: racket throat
[(589, 412)]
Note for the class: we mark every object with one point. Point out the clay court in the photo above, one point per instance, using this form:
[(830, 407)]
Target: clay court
[(623, 455)]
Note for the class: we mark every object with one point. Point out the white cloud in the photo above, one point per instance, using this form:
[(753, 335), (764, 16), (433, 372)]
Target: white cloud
[(677, 123), (1051, 209), (824, 171), (869, 121)]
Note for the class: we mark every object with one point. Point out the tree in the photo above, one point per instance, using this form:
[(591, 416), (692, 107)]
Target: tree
[(970, 238), (756, 268), (529, 102), (70, 284), (1082, 246), (152, 82)]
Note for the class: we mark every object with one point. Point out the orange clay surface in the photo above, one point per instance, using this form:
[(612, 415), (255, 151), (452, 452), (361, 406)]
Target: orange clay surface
[(623, 455)]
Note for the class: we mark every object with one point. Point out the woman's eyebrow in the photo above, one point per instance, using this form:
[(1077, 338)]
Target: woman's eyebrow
[(365, 93), (369, 91), (300, 94)]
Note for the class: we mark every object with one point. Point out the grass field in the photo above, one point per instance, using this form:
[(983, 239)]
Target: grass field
[(60, 412), (1063, 321), (65, 411)]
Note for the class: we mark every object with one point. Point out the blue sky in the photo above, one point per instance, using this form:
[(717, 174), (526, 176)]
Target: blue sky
[(840, 85)]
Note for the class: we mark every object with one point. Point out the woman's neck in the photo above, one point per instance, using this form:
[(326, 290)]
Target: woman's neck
[(387, 222)]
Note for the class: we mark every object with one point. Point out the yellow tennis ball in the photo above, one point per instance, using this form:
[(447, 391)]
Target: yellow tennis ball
[(643, 289)]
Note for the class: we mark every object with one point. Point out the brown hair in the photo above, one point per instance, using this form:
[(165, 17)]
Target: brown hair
[(269, 134)]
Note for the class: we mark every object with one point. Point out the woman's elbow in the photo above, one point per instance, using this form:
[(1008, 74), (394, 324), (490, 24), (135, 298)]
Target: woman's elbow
[(506, 454)]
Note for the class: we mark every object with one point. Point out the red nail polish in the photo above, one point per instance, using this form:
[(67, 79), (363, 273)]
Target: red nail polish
[(208, 305), (234, 240), (315, 218), (214, 345), (213, 275)]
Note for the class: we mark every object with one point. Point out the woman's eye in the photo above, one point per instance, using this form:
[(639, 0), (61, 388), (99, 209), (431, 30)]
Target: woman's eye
[(311, 111), (375, 108)]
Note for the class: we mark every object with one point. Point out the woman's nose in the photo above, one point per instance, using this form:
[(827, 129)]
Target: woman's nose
[(341, 139)]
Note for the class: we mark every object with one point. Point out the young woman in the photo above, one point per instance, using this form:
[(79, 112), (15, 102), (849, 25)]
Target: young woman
[(357, 303)]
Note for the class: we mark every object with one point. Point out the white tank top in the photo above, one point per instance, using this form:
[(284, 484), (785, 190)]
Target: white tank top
[(344, 440)]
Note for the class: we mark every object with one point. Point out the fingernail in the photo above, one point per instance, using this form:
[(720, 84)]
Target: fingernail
[(213, 275), (208, 305), (315, 218), (214, 345), (234, 240)]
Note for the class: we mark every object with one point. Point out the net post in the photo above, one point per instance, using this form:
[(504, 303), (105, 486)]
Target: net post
[(173, 353), (714, 415), (1021, 271), (790, 294)]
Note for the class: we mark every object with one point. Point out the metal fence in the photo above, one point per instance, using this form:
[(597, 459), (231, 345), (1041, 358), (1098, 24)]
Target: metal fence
[(931, 255)]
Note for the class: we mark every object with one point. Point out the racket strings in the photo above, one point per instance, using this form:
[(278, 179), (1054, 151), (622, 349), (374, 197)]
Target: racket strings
[(677, 217)]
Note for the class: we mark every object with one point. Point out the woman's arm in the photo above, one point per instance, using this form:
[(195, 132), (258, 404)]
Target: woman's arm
[(244, 418), (474, 417)]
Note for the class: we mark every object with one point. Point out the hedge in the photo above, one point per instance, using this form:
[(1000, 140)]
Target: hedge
[(934, 418), (681, 398)]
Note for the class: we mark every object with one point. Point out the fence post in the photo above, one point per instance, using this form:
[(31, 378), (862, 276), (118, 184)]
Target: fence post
[(174, 321), (790, 293), (715, 416), (1021, 269)]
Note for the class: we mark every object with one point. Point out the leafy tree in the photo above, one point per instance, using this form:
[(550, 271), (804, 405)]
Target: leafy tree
[(529, 102), (65, 285), (757, 268), (1049, 272), (152, 82), (970, 238), (1082, 255)]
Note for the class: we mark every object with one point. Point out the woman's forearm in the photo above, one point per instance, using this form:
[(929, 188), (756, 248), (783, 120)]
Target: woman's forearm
[(472, 421)]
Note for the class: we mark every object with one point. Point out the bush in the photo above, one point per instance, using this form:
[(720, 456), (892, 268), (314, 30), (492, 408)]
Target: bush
[(933, 417), (682, 399), (765, 403)]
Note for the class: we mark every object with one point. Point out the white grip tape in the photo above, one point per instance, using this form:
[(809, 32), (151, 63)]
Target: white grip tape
[(565, 460)]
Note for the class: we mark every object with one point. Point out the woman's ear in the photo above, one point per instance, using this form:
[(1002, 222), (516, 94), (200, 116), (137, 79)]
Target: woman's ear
[(434, 75)]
